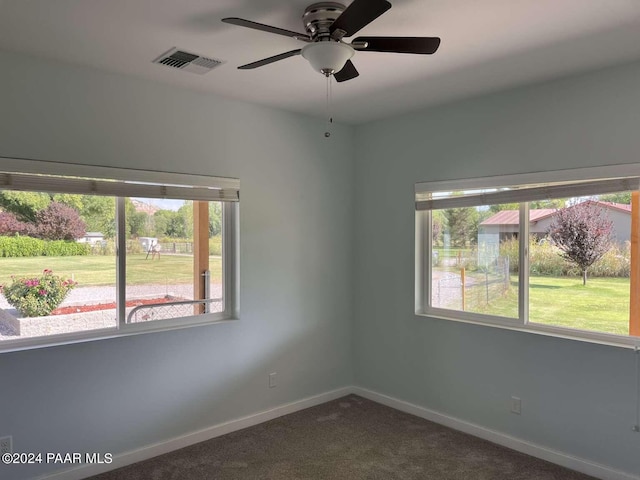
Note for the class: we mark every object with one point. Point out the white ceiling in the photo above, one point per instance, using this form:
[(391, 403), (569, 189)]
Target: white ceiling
[(487, 45)]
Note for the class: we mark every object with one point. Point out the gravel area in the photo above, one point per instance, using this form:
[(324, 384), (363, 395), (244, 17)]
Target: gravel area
[(446, 289), (93, 296)]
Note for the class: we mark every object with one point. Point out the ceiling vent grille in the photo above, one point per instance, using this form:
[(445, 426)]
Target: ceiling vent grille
[(189, 62)]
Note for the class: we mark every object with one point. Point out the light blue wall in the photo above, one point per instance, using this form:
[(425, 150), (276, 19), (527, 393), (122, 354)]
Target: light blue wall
[(576, 397), (304, 284), (295, 248)]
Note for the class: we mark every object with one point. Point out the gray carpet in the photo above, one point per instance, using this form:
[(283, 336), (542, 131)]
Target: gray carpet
[(351, 438)]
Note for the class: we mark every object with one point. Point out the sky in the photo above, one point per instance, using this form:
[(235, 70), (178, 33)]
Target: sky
[(165, 204)]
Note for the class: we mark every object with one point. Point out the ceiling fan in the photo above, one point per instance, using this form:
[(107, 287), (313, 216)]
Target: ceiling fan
[(327, 24)]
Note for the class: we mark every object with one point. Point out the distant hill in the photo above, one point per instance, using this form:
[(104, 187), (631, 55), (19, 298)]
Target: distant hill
[(141, 206)]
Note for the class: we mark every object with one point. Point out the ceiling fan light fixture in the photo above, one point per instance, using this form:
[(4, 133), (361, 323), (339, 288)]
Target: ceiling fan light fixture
[(327, 57), (326, 24)]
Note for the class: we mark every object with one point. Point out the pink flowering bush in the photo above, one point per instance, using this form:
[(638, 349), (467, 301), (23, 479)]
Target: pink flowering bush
[(37, 296)]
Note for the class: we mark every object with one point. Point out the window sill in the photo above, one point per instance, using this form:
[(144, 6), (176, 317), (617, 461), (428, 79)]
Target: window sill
[(31, 343), (538, 329)]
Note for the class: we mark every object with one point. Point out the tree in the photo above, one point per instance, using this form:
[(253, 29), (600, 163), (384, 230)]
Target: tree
[(462, 224), (536, 204), (140, 224), (161, 219), (555, 203), (503, 206), (583, 233), (173, 224), (59, 222), (184, 220), (99, 214), (74, 200), (215, 218), (24, 205), (437, 226), (620, 197), (181, 224)]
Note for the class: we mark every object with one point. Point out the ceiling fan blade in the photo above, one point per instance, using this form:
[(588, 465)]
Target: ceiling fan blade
[(266, 28), (267, 61), (419, 45), (356, 16), (347, 73)]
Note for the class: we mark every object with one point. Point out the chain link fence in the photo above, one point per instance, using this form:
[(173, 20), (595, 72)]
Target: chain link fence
[(471, 289)]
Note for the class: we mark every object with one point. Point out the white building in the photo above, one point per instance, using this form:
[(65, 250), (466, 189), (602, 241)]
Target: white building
[(91, 238), (505, 225)]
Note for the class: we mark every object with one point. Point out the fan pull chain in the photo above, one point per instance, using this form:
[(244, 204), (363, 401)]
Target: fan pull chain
[(327, 133)]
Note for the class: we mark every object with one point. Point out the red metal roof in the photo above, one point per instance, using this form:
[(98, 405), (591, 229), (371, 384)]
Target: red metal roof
[(512, 217), (616, 206)]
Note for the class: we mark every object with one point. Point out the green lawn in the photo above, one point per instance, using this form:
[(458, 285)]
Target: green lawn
[(602, 305), (101, 270)]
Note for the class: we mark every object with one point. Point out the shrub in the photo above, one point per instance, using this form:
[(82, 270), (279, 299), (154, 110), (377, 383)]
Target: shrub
[(468, 259), (615, 263), (59, 222), (105, 247), (37, 296), (20, 247), (10, 225), (55, 222), (134, 246), (215, 245), (34, 247), (63, 248), (509, 249), (546, 259)]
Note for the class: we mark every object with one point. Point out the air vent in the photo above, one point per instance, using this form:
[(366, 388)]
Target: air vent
[(189, 62)]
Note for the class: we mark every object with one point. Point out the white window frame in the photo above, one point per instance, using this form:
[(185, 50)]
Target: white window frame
[(228, 187), (423, 252)]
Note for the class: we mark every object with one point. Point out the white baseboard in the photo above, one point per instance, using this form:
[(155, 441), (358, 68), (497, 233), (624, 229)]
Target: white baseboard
[(559, 458), (144, 453), (538, 451)]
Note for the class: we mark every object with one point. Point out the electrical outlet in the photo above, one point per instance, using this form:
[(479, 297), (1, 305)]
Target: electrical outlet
[(272, 380), (6, 445), (516, 405)]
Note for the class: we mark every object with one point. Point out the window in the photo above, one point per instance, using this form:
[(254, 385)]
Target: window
[(100, 252), (463, 253), (555, 253)]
